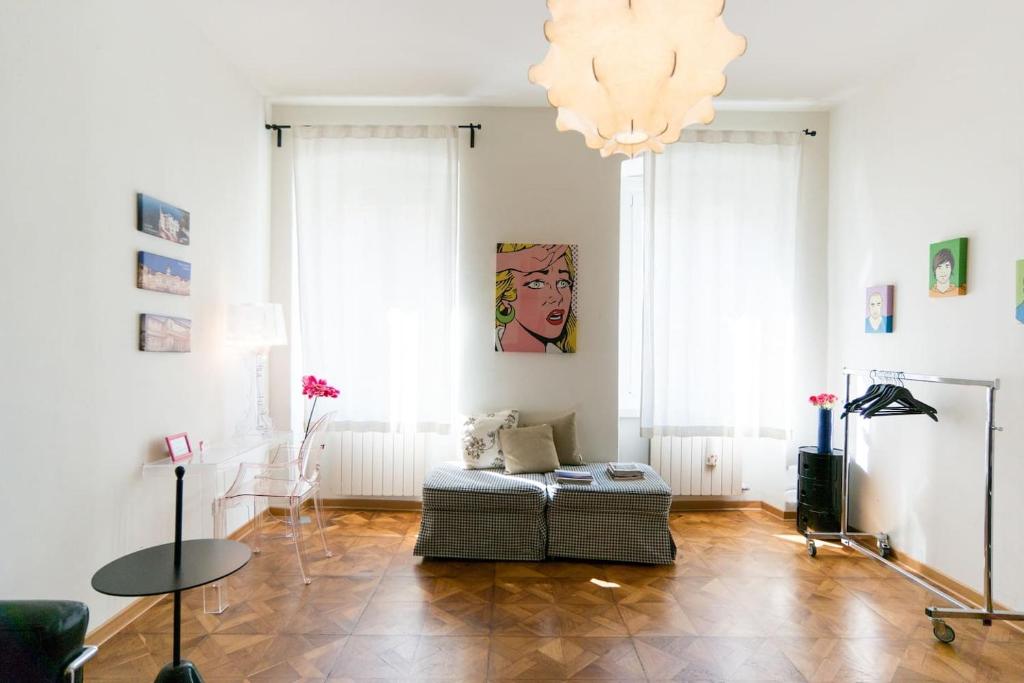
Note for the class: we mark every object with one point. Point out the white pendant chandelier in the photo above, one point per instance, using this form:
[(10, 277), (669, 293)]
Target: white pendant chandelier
[(631, 74)]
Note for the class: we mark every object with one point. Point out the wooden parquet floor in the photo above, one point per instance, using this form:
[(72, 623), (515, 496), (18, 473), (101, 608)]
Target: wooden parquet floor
[(742, 603)]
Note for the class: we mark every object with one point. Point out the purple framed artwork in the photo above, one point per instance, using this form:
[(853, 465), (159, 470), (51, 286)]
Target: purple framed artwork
[(878, 309)]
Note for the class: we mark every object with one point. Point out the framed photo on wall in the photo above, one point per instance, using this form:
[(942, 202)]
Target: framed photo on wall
[(178, 447), (164, 333), (163, 220), (162, 274)]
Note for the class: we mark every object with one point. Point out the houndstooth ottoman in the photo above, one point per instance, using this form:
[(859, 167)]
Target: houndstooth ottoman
[(611, 520), (482, 515)]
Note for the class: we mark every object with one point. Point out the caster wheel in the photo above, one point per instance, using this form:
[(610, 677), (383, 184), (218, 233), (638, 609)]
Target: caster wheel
[(884, 549), (812, 549), (329, 553), (942, 631), (307, 581)]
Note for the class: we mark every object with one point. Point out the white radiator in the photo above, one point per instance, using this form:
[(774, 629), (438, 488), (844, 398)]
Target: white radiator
[(383, 464), (682, 462)]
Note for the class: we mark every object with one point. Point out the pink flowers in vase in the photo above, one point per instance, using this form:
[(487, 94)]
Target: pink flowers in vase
[(824, 401), (315, 388)]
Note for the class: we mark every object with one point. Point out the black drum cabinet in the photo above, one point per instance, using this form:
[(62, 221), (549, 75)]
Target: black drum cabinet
[(819, 490)]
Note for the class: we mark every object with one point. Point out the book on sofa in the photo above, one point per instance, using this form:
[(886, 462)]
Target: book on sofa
[(625, 470), (573, 477)]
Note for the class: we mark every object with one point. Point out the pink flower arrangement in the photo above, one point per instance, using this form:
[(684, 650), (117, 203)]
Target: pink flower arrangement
[(824, 401), (315, 388)]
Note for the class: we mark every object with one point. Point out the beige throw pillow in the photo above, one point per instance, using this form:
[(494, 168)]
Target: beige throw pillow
[(566, 441), (529, 449)]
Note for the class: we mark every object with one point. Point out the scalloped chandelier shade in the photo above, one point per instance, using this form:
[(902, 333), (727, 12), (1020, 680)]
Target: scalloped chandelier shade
[(631, 74)]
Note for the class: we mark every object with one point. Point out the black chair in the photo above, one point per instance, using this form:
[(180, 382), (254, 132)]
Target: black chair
[(42, 641)]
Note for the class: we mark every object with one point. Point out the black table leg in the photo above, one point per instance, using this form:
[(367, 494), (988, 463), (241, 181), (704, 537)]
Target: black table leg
[(178, 671), (177, 628)]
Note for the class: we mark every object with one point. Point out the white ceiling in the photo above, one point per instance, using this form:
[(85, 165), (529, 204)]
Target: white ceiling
[(802, 53)]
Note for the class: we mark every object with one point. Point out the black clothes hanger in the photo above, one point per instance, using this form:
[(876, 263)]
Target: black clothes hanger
[(888, 399), (872, 392), (854, 406), (898, 401)]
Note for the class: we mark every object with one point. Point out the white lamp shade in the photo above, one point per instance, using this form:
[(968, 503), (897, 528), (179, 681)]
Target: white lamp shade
[(256, 325), (631, 74)]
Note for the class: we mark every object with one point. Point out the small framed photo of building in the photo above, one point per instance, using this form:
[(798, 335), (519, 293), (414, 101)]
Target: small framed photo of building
[(163, 333), (163, 220), (162, 274)]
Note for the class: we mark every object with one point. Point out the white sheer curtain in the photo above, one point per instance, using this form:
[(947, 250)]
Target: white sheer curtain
[(376, 217), (719, 293)]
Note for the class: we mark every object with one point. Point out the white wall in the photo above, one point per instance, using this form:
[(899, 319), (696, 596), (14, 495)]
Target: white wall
[(101, 100), (934, 152), (524, 182)]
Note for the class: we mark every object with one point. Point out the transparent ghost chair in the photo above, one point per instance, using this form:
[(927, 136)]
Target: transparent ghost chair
[(293, 480)]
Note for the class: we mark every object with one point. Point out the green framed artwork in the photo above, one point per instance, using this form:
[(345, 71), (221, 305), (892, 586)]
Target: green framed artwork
[(948, 268), (1020, 292)]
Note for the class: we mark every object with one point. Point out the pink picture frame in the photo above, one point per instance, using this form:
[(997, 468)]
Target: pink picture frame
[(178, 447)]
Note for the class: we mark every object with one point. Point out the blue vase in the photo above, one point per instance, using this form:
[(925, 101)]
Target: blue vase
[(824, 431)]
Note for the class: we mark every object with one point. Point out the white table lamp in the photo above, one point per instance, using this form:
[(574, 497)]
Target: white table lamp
[(255, 328)]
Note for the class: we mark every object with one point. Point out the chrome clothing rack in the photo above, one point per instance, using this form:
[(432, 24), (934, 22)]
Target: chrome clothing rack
[(987, 613)]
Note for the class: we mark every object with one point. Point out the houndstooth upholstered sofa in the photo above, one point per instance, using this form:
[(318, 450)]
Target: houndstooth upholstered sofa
[(489, 515)]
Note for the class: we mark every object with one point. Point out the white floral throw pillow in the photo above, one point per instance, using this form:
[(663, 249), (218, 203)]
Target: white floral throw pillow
[(481, 448)]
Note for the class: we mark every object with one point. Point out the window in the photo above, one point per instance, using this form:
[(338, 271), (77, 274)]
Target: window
[(707, 300), (631, 270), (376, 215)]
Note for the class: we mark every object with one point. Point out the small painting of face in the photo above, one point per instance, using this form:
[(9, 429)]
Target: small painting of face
[(879, 307), (1020, 292), (948, 261)]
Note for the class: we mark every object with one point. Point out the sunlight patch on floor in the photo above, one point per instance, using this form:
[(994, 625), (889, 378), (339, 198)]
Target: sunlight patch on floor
[(802, 540)]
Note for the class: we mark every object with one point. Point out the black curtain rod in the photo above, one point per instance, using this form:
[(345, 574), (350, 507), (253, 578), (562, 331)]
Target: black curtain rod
[(473, 128), (277, 129)]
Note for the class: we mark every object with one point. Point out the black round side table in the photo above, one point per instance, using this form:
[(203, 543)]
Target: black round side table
[(173, 568)]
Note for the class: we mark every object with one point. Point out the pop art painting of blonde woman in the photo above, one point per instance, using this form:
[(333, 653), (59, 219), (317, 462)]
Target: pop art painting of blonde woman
[(535, 300)]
